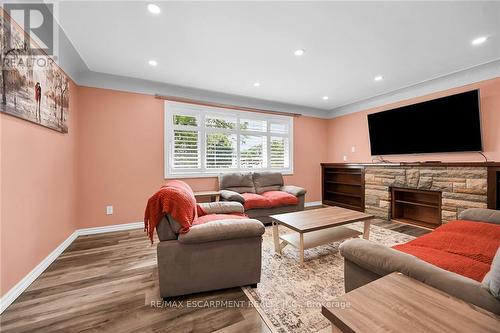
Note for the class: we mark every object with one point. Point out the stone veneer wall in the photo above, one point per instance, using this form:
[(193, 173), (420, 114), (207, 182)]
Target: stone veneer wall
[(461, 187)]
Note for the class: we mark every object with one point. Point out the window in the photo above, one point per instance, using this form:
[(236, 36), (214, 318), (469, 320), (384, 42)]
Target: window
[(205, 141)]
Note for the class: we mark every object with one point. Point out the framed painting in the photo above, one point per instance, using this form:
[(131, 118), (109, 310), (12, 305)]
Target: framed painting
[(32, 86)]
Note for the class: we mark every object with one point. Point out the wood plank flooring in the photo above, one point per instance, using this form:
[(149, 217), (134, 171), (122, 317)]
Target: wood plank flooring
[(108, 282)]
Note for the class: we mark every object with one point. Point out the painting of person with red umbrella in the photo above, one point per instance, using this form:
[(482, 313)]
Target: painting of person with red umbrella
[(32, 85)]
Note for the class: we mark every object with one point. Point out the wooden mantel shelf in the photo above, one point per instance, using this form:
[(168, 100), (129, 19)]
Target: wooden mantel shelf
[(343, 184), (418, 164)]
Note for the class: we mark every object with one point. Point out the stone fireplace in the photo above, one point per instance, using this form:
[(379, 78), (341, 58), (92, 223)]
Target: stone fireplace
[(460, 187)]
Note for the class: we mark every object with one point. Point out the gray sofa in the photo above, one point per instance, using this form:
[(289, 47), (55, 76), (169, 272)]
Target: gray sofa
[(231, 185), (215, 255), (366, 261)]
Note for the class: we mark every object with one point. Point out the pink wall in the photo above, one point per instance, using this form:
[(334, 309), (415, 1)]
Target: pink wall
[(352, 129), (121, 155), (53, 183), (38, 192)]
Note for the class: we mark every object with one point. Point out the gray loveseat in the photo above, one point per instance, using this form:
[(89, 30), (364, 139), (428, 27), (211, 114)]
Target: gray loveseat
[(232, 185), (366, 261), (215, 255)]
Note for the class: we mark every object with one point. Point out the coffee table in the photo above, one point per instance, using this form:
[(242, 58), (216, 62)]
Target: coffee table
[(316, 227), (397, 303)]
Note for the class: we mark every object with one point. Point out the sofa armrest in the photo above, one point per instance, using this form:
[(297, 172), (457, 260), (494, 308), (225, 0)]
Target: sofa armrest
[(481, 215), (222, 207), (231, 196), (222, 230), (383, 260), (294, 190)]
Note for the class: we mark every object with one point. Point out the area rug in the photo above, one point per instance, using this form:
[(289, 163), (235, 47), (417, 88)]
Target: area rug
[(289, 297)]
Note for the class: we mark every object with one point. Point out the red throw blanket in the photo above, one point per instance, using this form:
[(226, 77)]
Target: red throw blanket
[(175, 198), (463, 247)]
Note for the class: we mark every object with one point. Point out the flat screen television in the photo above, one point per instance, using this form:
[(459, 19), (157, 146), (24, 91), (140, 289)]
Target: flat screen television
[(448, 124)]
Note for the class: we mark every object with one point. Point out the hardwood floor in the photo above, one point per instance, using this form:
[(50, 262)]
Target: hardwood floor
[(402, 228), (108, 283)]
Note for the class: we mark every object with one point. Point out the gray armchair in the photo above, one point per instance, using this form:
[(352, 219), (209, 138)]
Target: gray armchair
[(215, 255)]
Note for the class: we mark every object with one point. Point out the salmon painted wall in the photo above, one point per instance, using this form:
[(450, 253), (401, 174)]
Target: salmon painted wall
[(121, 155), (38, 192), (352, 129)]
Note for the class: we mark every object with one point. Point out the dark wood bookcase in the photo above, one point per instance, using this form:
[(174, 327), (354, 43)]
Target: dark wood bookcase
[(343, 186)]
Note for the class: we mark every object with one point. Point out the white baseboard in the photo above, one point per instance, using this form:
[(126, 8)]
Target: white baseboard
[(21, 286), (313, 203), (110, 228)]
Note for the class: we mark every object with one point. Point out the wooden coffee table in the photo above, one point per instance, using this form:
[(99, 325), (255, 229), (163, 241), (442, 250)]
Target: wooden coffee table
[(397, 303), (316, 227)]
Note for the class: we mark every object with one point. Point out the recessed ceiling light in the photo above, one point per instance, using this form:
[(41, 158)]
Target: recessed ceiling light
[(325, 98), (378, 78), (256, 84), (152, 62), (154, 9), (479, 40), (299, 52)]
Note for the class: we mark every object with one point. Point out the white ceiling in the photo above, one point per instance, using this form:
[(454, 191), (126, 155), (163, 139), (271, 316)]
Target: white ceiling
[(227, 46)]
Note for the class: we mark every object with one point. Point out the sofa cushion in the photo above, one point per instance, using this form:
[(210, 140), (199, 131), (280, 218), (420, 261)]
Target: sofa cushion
[(221, 207), (267, 181), (240, 182), (294, 190), (216, 217), (492, 278), (481, 214), (280, 198), (455, 263), (253, 200), (463, 247), (231, 196)]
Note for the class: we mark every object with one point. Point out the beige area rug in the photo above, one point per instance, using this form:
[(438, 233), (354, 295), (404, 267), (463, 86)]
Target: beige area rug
[(289, 297)]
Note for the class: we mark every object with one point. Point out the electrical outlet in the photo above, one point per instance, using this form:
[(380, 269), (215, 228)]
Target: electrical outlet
[(345, 158), (353, 149), (109, 210)]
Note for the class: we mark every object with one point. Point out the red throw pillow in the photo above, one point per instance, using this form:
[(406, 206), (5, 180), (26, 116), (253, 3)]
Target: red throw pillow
[(253, 200), (280, 198)]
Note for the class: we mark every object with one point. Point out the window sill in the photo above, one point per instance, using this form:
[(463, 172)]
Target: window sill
[(215, 175)]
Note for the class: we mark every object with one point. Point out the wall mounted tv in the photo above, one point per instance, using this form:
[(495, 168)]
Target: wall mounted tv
[(448, 124)]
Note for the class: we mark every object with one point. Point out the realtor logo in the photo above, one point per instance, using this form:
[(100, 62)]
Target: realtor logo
[(37, 21)]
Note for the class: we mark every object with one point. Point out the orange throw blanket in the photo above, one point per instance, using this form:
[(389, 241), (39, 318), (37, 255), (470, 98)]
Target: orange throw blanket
[(175, 198), (463, 247)]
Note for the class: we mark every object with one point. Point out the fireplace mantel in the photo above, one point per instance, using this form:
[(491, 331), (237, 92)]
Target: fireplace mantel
[(418, 164), (462, 184)]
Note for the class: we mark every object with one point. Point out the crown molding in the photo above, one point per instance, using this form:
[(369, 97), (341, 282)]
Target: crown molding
[(471, 75), (134, 85)]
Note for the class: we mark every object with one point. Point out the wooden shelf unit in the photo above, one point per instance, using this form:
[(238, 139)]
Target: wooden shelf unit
[(494, 187), (419, 207), (343, 186)]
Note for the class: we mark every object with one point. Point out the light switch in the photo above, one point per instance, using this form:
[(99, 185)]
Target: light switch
[(109, 210), (353, 149), (345, 158)]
